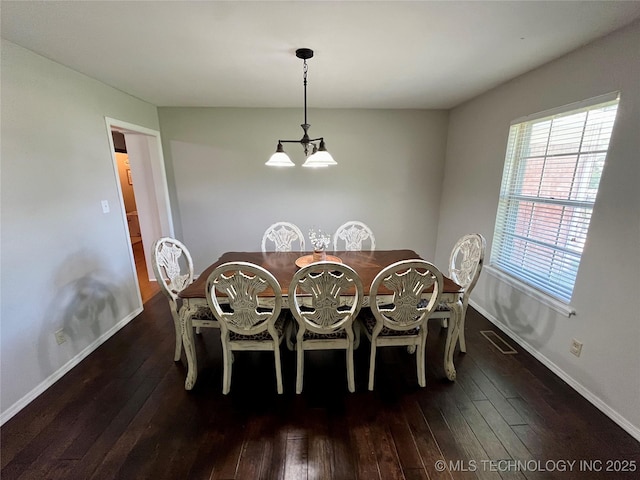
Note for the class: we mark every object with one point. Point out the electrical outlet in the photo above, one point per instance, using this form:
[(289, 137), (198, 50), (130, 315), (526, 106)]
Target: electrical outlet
[(60, 336), (576, 347)]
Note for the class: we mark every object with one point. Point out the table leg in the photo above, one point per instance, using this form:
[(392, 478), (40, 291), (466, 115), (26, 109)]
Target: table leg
[(188, 343), (452, 339)]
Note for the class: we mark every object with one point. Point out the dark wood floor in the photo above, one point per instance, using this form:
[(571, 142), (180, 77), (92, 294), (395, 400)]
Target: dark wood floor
[(123, 413)]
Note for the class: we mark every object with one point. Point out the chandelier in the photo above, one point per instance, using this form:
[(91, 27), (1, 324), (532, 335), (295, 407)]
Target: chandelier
[(319, 156)]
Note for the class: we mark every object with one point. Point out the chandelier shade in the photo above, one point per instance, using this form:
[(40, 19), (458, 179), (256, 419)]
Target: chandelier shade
[(319, 156), (280, 158)]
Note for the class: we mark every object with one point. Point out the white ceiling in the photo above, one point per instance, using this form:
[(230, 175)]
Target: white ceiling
[(368, 54)]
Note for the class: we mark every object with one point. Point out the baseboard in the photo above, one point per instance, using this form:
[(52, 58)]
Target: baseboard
[(578, 387), (45, 384)]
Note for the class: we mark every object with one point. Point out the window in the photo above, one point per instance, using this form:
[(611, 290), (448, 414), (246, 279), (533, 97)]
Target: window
[(549, 185)]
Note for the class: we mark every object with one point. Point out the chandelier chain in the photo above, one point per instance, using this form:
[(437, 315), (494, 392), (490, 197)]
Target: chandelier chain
[(305, 70)]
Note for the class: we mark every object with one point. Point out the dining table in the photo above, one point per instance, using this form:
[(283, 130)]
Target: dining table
[(283, 266)]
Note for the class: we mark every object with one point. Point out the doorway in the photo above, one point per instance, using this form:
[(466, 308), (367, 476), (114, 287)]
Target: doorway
[(147, 288), (144, 200)]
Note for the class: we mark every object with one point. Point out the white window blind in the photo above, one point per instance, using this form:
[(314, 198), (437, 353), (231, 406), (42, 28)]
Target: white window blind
[(550, 180)]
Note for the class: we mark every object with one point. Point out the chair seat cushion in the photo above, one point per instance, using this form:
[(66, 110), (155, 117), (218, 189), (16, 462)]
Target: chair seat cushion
[(369, 322), (442, 306), (262, 336), (309, 335), (203, 313)]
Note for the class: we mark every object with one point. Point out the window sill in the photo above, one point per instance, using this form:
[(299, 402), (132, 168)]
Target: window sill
[(557, 305)]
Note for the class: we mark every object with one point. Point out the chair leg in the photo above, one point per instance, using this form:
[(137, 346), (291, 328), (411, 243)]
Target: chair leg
[(299, 366), (189, 349), (178, 350), (461, 339), (351, 382), (227, 360), (422, 379), (372, 363), (276, 354)]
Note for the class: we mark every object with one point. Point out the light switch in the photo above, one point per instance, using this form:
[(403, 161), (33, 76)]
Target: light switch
[(105, 206)]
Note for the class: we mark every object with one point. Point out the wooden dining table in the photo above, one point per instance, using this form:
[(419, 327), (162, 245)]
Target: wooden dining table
[(282, 266)]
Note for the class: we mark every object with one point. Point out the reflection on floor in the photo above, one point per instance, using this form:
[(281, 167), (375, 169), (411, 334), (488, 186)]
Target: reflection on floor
[(147, 288)]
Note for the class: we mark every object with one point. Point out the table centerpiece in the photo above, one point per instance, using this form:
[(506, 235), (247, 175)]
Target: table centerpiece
[(320, 242)]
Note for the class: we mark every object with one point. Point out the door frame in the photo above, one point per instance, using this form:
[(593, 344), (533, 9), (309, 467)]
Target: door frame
[(147, 166)]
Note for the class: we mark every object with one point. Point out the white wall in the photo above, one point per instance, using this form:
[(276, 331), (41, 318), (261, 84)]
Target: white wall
[(389, 175), (607, 291), (64, 263)]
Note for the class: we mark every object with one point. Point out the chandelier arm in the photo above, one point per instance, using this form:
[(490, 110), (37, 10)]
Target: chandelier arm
[(319, 139)]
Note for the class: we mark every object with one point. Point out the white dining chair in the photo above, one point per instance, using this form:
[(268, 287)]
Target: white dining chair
[(173, 268), (353, 234), (400, 318), (283, 235), (465, 265), (324, 312), (247, 321)]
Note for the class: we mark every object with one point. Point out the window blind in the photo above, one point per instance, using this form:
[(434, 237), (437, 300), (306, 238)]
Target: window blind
[(551, 176)]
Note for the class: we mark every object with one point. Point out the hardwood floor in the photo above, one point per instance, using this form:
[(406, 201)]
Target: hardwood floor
[(147, 288), (123, 413)]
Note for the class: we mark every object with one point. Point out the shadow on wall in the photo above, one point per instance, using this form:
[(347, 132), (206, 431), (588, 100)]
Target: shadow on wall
[(535, 325), (532, 323), (84, 307)]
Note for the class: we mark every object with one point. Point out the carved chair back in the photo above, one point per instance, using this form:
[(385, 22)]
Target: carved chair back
[(244, 312), (173, 266), (465, 262), (325, 297), (283, 235), (353, 234), (404, 312)]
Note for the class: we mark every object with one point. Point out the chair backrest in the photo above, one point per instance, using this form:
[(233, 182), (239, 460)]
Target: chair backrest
[(283, 234), (241, 283), (325, 297), (465, 262), (353, 233), (172, 265), (397, 306)]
